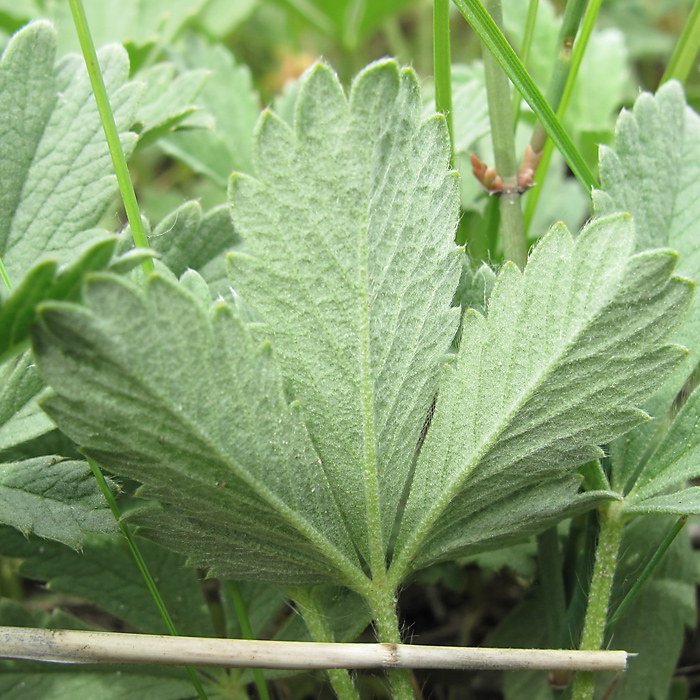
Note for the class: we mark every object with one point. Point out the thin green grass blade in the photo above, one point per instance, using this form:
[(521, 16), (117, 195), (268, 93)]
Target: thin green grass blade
[(143, 568), (525, 52), (579, 50), (686, 49), (644, 576), (474, 12), (247, 631), (121, 169), (5, 276)]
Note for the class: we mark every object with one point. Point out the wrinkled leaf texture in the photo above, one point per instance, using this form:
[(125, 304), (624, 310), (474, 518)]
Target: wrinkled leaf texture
[(290, 466)]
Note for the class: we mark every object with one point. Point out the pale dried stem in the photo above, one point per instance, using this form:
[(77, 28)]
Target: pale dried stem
[(109, 647)]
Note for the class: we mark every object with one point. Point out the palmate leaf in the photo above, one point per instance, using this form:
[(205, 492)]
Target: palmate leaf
[(291, 467), (556, 368), (349, 257), (156, 389)]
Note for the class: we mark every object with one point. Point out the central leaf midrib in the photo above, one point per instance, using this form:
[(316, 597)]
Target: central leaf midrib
[(377, 561)]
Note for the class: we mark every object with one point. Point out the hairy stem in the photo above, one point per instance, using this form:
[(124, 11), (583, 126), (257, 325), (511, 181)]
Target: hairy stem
[(500, 115), (593, 635), (309, 605), (383, 605)]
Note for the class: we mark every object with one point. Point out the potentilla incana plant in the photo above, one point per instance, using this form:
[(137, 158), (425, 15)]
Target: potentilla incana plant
[(315, 388)]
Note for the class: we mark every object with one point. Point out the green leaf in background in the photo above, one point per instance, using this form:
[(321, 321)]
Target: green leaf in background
[(349, 20), (674, 460), (187, 238), (30, 680), (219, 141), (105, 574), (21, 419), (57, 174), (221, 17), (469, 105), (523, 628), (651, 171), (183, 401), (557, 367), (167, 99), (126, 22), (47, 682), (53, 498), (349, 258)]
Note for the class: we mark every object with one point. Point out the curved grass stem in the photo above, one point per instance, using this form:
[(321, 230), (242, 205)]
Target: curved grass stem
[(104, 108), (143, 568)]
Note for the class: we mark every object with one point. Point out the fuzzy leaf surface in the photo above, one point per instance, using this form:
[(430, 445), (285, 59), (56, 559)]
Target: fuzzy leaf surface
[(53, 498), (567, 352), (349, 257), (156, 387), (21, 419), (57, 172), (187, 238), (651, 171)]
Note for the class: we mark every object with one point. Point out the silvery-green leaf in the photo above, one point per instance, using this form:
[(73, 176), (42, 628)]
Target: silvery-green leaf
[(155, 387), (567, 352), (349, 257), (57, 172)]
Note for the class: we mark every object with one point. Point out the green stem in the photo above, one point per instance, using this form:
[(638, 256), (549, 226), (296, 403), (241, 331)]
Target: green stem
[(503, 138), (599, 594), (443, 67), (387, 628), (143, 568), (474, 12), (576, 58), (525, 53), (552, 582), (686, 50), (244, 622), (309, 605), (644, 576), (121, 169)]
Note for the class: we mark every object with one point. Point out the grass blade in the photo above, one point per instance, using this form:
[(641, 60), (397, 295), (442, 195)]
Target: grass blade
[(121, 169), (474, 12)]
